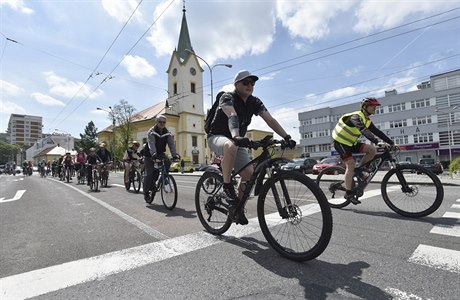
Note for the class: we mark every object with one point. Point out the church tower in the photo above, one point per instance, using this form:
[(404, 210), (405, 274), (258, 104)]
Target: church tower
[(185, 98)]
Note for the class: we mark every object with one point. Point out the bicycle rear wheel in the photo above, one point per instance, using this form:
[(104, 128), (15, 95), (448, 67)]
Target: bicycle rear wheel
[(104, 179), (301, 227), (331, 181), (421, 196), (127, 184), (168, 190), (211, 210), (95, 184)]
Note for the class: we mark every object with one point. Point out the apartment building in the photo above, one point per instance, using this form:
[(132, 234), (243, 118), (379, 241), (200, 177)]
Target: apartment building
[(425, 122), (24, 129)]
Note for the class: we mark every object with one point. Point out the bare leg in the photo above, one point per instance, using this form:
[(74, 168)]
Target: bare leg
[(350, 169), (229, 160)]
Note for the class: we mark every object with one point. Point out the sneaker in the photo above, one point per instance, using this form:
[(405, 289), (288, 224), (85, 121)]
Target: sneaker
[(352, 198), (242, 220), (230, 194), (147, 199)]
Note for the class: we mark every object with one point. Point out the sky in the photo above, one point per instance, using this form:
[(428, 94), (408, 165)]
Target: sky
[(63, 59)]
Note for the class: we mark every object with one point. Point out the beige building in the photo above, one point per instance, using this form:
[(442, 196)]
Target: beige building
[(24, 129), (183, 107)]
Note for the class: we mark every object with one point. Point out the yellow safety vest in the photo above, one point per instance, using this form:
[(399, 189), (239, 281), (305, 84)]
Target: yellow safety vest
[(347, 135)]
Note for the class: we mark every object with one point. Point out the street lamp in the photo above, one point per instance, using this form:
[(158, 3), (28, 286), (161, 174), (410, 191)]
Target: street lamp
[(210, 71), (68, 134), (448, 127), (113, 127)]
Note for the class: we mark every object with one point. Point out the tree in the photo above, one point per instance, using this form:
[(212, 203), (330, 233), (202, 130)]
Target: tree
[(89, 138), (8, 152), (122, 114)]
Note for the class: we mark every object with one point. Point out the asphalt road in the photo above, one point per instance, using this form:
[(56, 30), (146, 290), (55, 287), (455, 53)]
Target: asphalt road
[(62, 241)]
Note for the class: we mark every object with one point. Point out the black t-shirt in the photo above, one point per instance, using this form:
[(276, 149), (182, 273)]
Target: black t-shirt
[(245, 111)]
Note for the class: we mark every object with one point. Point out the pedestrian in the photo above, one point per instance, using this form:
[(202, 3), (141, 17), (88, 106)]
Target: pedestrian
[(182, 166)]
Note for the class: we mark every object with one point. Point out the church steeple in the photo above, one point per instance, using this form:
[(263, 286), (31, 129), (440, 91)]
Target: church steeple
[(184, 40)]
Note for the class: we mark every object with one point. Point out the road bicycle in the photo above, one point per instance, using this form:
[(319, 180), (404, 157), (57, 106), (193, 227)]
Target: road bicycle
[(292, 211), (165, 184), (67, 173), (409, 190), (94, 182), (81, 175), (134, 177)]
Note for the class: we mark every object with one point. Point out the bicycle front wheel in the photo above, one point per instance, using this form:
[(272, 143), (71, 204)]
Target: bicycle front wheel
[(168, 190), (211, 211), (95, 184), (137, 181), (412, 191), (331, 181), (294, 216)]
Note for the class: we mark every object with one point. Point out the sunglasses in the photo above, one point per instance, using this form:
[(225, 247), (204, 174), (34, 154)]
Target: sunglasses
[(247, 82), (161, 122)]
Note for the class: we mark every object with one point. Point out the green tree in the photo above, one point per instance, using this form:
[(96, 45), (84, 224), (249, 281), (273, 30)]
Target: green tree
[(8, 152), (123, 114), (89, 138)]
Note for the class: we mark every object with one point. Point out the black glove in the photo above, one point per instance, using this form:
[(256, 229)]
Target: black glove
[(176, 157), (154, 156), (290, 142), (241, 141)]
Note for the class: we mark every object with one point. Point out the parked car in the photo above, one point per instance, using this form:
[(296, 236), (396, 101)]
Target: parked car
[(327, 162), (432, 165), (175, 167), (303, 165), (204, 167)]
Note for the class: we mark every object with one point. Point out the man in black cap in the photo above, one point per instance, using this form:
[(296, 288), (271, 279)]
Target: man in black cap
[(228, 129)]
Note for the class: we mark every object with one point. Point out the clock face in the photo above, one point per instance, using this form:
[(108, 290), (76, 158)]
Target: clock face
[(192, 71), (174, 72)]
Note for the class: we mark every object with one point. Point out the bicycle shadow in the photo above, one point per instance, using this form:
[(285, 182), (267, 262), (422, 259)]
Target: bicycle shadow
[(440, 221), (320, 279), (176, 212)]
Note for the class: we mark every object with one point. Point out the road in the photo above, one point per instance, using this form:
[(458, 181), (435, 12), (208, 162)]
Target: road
[(62, 241)]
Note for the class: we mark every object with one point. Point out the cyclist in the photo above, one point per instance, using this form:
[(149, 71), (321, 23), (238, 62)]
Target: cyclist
[(91, 159), (345, 136), (68, 162), (228, 128), (130, 155), (80, 160), (155, 147), (42, 167), (104, 154)]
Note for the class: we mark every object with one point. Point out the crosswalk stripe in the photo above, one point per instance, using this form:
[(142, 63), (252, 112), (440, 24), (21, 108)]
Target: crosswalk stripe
[(456, 206), (436, 257), (450, 230)]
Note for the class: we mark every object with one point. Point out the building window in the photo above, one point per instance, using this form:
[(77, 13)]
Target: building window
[(423, 120), (311, 148), (379, 110), (175, 88), (325, 147), (322, 133), (401, 140), (420, 103), (398, 123), (423, 138), (308, 135), (192, 87), (194, 141), (396, 107), (380, 125)]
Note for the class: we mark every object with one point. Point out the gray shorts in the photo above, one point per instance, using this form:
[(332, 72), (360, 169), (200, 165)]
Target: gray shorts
[(216, 143)]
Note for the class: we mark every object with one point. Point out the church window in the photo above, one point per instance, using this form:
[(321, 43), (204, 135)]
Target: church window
[(192, 87)]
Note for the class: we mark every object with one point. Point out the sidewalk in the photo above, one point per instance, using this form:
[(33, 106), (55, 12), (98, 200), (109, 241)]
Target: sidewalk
[(445, 178)]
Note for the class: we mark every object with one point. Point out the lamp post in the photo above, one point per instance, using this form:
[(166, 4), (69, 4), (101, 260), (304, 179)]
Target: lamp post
[(110, 112), (210, 71), (448, 127), (68, 135)]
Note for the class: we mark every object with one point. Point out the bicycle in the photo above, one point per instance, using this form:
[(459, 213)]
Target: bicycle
[(67, 173), (134, 176), (94, 182), (166, 184), (104, 173), (415, 198), (292, 211), (81, 175)]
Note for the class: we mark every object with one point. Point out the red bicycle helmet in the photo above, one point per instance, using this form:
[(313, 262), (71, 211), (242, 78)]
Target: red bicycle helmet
[(370, 101)]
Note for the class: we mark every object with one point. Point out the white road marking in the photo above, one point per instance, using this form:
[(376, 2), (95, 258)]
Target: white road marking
[(400, 295), (439, 258), (456, 206), (17, 196), (42, 281), (451, 230), (147, 229)]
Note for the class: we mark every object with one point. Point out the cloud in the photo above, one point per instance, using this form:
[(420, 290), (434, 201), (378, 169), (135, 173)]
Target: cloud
[(63, 87), (46, 100), (138, 67), (284, 116), (17, 5), (121, 9), (340, 93), (7, 88), (377, 14), (226, 37), (310, 19), (8, 107)]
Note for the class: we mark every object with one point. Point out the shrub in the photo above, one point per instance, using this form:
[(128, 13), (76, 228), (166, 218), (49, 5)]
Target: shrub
[(454, 166)]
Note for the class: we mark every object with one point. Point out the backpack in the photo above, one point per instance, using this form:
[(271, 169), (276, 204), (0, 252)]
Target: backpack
[(212, 113)]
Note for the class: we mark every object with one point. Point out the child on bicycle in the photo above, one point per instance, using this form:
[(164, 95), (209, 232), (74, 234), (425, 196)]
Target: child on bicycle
[(92, 160), (130, 155), (345, 137)]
